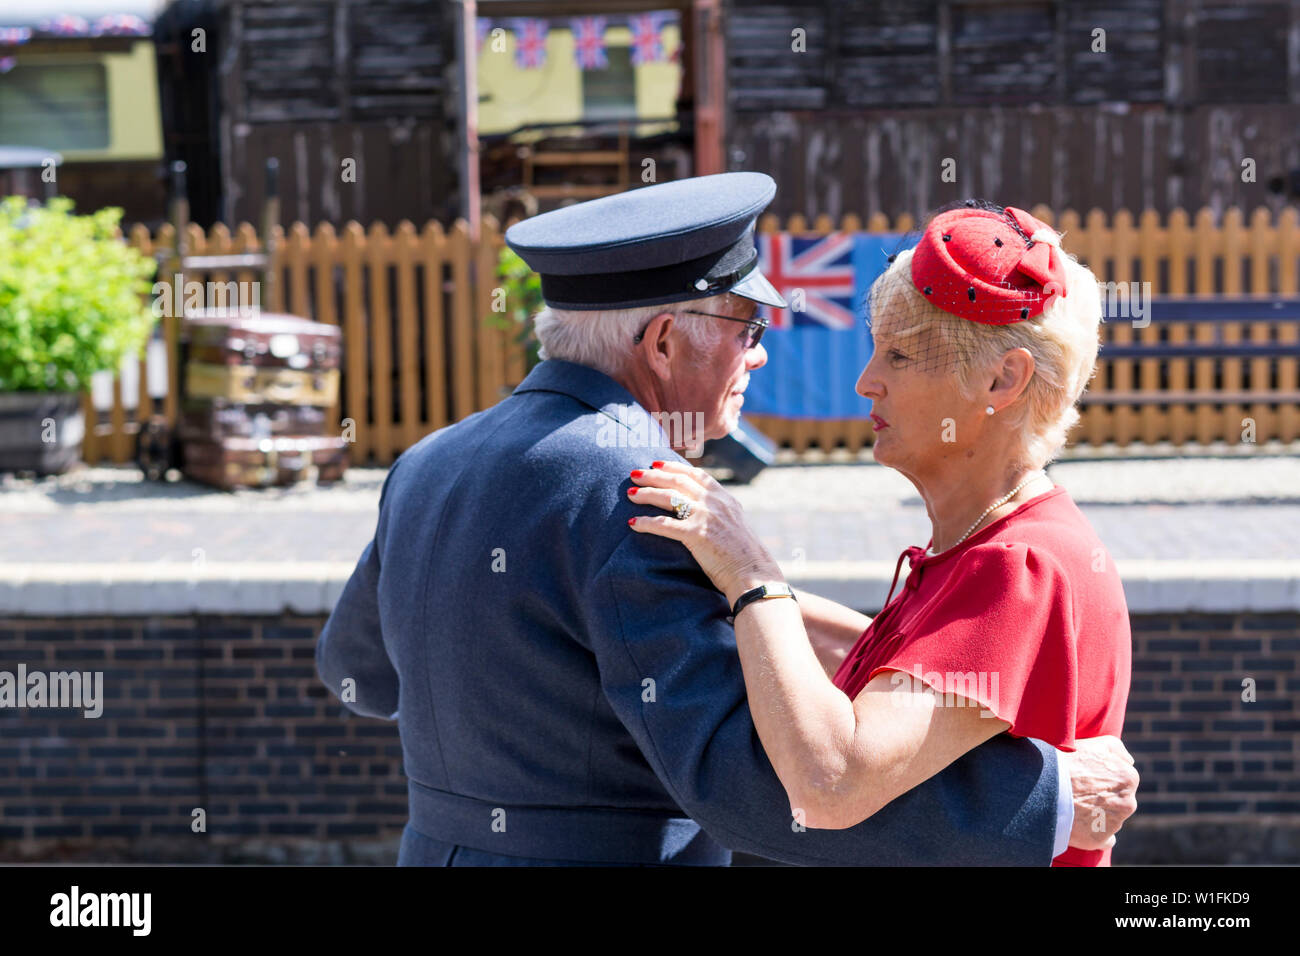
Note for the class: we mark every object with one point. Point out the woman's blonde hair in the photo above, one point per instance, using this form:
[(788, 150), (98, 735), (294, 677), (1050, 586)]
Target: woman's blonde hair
[(1063, 341)]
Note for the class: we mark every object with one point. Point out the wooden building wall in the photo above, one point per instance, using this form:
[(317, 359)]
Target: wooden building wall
[(862, 121), (312, 84)]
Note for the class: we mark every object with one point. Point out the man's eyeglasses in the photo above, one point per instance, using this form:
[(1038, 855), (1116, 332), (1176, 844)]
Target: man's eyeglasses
[(756, 326)]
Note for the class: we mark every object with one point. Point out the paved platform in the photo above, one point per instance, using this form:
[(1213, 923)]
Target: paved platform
[(1162, 519)]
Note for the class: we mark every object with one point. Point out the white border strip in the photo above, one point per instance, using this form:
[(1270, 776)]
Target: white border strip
[(68, 590), (119, 590)]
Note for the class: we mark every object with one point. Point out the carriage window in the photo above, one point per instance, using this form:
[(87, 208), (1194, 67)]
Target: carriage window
[(55, 106), (610, 93)]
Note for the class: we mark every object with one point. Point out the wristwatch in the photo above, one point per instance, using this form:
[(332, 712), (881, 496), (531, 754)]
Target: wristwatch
[(763, 592)]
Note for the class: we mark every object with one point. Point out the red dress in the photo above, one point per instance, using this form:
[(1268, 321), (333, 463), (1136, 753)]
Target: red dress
[(1026, 617)]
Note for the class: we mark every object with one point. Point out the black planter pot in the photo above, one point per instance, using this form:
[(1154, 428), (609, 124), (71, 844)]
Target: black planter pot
[(40, 431)]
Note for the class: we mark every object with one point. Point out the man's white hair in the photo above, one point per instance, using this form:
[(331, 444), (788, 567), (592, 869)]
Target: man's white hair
[(604, 340)]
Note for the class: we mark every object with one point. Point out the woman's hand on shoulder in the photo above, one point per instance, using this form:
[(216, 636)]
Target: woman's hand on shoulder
[(715, 531)]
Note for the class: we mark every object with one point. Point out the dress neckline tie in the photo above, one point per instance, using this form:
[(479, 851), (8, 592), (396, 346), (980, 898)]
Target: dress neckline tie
[(914, 555)]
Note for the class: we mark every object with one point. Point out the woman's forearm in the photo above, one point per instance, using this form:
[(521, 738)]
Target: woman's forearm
[(832, 629), (805, 723)]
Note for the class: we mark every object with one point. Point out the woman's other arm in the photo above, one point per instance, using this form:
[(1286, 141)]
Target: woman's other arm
[(841, 761), (832, 628)]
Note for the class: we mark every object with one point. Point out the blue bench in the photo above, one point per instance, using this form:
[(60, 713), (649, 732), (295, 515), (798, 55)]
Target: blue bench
[(1170, 311)]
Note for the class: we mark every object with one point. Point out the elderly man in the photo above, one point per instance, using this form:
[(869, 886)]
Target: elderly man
[(568, 691)]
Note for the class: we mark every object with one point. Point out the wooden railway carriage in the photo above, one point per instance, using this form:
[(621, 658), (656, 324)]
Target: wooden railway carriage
[(78, 78), (1125, 104), (354, 99)]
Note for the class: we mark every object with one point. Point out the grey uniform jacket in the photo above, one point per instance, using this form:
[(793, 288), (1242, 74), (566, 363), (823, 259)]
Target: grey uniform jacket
[(567, 688)]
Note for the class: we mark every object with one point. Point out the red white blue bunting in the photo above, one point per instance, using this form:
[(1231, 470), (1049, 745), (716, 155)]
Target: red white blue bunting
[(66, 25), (530, 42), (589, 45), (647, 45)]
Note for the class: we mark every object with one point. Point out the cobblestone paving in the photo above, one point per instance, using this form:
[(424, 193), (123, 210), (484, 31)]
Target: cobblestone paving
[(1185, 508)]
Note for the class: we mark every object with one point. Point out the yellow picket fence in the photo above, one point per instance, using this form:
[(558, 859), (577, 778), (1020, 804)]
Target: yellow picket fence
[(420, 351)]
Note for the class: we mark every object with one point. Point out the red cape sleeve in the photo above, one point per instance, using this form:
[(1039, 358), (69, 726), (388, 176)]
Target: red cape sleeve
[(1001, 633)]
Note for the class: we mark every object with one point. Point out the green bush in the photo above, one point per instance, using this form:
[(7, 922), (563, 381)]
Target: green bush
[(71, 296), (522, 300)]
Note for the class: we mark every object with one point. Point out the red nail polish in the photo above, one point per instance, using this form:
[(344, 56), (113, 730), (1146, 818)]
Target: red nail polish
[(633, 491), (656, 464), (638, 473), (631, 521)]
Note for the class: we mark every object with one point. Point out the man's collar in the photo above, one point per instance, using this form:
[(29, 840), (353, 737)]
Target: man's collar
[(594, 389)]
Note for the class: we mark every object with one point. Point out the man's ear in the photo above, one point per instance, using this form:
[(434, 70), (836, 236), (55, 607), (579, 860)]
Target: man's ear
[(658, 347), (1012, 377)]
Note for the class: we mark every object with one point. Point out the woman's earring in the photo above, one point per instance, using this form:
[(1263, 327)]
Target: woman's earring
[(988, 410)]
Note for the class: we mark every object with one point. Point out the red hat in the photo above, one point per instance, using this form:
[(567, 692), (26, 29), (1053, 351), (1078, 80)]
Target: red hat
[(989, 267)]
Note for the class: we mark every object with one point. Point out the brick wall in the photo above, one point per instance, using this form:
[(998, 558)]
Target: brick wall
[(226, 714), (1219, 773), (222, 713)]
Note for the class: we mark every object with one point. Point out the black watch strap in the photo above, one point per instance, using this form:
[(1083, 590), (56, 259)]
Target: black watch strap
[(761, 593)]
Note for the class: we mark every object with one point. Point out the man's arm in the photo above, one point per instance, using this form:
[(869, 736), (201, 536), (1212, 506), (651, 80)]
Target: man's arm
[(351, 645), (670, 670), (350, 655), (1097, 788)]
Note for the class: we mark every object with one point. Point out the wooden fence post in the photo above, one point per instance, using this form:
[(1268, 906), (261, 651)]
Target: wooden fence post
[(1122, 246), (1261, 240), (1179, 368), (1288, 368), (323, 255), (1207, 244), (1091, 247), (406, 246), (1151, 423), (461, 366), (433, 259), (1230, 420), (378, 255), (356, 342)]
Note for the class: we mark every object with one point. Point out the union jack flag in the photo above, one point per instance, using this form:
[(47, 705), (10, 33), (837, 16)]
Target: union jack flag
[(815, 269), (530, 42), (589, 43), (12, 36), (646, 44)]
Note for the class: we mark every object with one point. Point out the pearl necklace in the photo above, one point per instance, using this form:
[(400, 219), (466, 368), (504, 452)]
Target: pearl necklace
[(993, 507)]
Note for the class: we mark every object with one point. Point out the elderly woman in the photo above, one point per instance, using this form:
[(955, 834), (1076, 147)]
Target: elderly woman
[(1013, 616)]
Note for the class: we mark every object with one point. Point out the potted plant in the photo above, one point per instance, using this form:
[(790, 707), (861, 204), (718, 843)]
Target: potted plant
[(520, 299), (71, 304)]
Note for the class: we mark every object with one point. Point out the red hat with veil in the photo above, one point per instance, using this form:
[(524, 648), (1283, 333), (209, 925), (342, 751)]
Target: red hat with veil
[(988, 265)]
